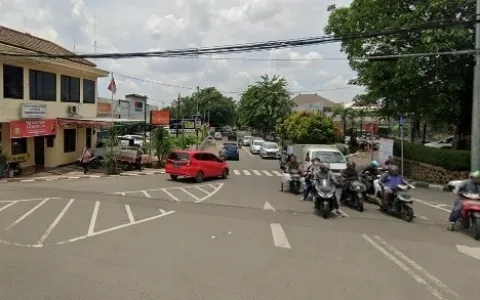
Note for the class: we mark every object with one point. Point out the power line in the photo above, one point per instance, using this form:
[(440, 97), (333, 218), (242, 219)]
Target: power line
[(248, 47)]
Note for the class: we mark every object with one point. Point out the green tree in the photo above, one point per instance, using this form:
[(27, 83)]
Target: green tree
[(308, 128), (264, 104), (435, 88), (162, 143), (340, 111)]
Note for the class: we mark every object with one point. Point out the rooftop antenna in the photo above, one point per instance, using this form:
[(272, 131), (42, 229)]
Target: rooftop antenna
[(94, 33), (74, 44)]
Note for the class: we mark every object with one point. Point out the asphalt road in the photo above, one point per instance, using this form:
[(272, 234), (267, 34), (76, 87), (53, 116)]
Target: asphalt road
[(148, 237)]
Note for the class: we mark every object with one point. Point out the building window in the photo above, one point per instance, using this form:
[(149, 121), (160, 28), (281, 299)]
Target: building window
[(12, 82), (50, 141), (138, 106), (19, 146), (70, 89), (43, 86), (69, 140), (89, 137), (88, 91), (327, 109)]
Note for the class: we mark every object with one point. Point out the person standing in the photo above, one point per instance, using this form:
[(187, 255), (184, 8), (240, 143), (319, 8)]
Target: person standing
[(85, 159), (138, 160)]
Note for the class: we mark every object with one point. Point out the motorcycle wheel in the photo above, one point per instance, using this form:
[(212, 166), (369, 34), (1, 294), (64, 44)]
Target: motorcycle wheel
[(465, 223), (295, 188), (360, 205), (476, 223), (406, 212), (325, 210)]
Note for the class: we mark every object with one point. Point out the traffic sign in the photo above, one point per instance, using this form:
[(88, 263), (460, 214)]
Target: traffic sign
[(370, 127), (401, 121)]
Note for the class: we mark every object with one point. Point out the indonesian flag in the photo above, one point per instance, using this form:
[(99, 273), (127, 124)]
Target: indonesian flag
[(112, 87)]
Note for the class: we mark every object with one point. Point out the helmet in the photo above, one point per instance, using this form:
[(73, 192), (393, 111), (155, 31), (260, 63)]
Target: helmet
[(393, 169), (324, 167), (316, 161), (351, 165), (374, 164)]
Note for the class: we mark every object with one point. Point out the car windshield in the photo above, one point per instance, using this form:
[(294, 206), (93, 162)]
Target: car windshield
[(257, 143), (331, 157), (270, 145)]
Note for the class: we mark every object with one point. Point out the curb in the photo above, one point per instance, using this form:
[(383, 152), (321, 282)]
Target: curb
[(53, 178), (426, 185)]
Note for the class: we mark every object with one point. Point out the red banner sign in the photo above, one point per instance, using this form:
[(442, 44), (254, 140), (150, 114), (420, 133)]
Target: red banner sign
[(23, 129), (371, 127), (160, 117)]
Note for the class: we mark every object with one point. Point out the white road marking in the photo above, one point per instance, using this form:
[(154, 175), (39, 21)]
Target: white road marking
[(26, 214), (8, 205), (200, 189), (163, 214), (417, 267), (27, 180), (268, 206), (246, 172), (344, 213), (129, 213), (404, 267), (236, 172), (473, 252), (190, 194), (123, 194), (146, 194), (257, 173), (437, 206), (170, 194), (93, 220), (422, 217), (277, 173), (28, 200), (74, 177), (279, 237), (267, 173), (248, 152), (55, 222), (216, 189)]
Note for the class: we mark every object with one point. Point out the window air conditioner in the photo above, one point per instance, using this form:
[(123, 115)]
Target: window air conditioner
[(72, 109)]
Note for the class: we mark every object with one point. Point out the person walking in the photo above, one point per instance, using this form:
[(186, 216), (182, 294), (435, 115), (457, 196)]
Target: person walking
[(85, 159)]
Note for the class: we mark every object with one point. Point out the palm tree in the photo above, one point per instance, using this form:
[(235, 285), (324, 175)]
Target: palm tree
[(340, 111)]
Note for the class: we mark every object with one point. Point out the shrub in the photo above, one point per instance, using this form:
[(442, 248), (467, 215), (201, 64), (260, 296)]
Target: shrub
[(453, 160)]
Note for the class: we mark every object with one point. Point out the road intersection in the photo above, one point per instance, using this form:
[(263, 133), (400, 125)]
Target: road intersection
[(148, 237)]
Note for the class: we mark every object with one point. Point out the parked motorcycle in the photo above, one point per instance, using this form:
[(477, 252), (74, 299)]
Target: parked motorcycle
[(295, 181), (16, 168), (324, 196), (470, 213), (355, 195), (401, 204), (94, 162)]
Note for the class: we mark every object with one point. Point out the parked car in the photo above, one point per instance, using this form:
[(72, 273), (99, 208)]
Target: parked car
[(256, 145), (232, 150), (195, 164), (218, 135), (442, 144), (247, 140), (270, 150)]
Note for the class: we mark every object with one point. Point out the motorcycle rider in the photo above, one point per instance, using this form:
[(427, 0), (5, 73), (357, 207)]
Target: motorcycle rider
[(310, 173), (223, 153), (325, 173), (469, 186), (349, 174), (372, 168), (391, 180), (292, 163)]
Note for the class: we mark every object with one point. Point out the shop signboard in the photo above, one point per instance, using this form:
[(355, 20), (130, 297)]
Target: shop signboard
[(33, 111), (31, 128), (161, 117)]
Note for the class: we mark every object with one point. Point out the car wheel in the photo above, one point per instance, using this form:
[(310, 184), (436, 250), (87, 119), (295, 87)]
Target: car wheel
[(199, 177), (225, 174), (173, 177)]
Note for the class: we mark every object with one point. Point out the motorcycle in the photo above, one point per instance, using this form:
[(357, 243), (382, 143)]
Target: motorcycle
[(401, 204), (470, 213), (355, 195), (324, 196), (94, 162), (295, 181)]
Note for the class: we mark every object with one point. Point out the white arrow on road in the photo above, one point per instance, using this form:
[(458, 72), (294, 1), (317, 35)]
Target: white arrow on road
[(269, 207), (470, 251)]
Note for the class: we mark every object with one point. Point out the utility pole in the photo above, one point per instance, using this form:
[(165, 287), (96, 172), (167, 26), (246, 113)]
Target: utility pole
[(196, 115), (178, 115), (475, 145)]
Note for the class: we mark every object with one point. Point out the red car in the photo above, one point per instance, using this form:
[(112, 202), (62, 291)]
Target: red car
[(195, 164)]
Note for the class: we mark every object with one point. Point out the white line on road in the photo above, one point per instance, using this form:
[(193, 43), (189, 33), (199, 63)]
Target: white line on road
[(146, 194), (27, 180), (26, 214), (28, 200), (163, 214), (129, 213), (404, 267), (246, 172), (268, 206), (437, 206), (277, 173), (93, 220), (279, 237), (248, 152), (422, 217), (123, 194), (416, 266), (215, 190), (8, 205), (190, 194), (236, 172), (257, 173), (171, 195), (200, 189), (55, 222), (267, 173)]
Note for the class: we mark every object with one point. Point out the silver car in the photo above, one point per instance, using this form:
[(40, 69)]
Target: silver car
[(270, 150), (247, 140), (256, 145)]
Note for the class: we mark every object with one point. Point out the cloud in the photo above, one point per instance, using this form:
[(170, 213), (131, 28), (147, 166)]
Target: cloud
[(126, 26)]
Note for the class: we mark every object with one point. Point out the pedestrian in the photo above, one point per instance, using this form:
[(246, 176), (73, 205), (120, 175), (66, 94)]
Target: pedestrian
[(138, 160), (85, 159)]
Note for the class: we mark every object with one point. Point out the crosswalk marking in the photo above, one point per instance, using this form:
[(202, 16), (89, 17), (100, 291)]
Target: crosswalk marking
[(269, 173)]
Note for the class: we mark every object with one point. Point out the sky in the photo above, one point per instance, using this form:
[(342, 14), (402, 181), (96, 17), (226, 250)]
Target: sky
[(148, 25)]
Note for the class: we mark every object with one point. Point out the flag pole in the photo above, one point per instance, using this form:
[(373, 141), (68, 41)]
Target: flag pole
[(111, 108)]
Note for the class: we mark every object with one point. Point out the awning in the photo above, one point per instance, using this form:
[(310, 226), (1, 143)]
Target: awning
[(80, 123)]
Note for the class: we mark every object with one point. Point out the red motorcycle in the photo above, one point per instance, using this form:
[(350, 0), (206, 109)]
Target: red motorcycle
[(470, 213)]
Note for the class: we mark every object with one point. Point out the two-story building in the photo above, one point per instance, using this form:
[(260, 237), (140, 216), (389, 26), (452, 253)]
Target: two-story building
[(48, 106), (312, 103)]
